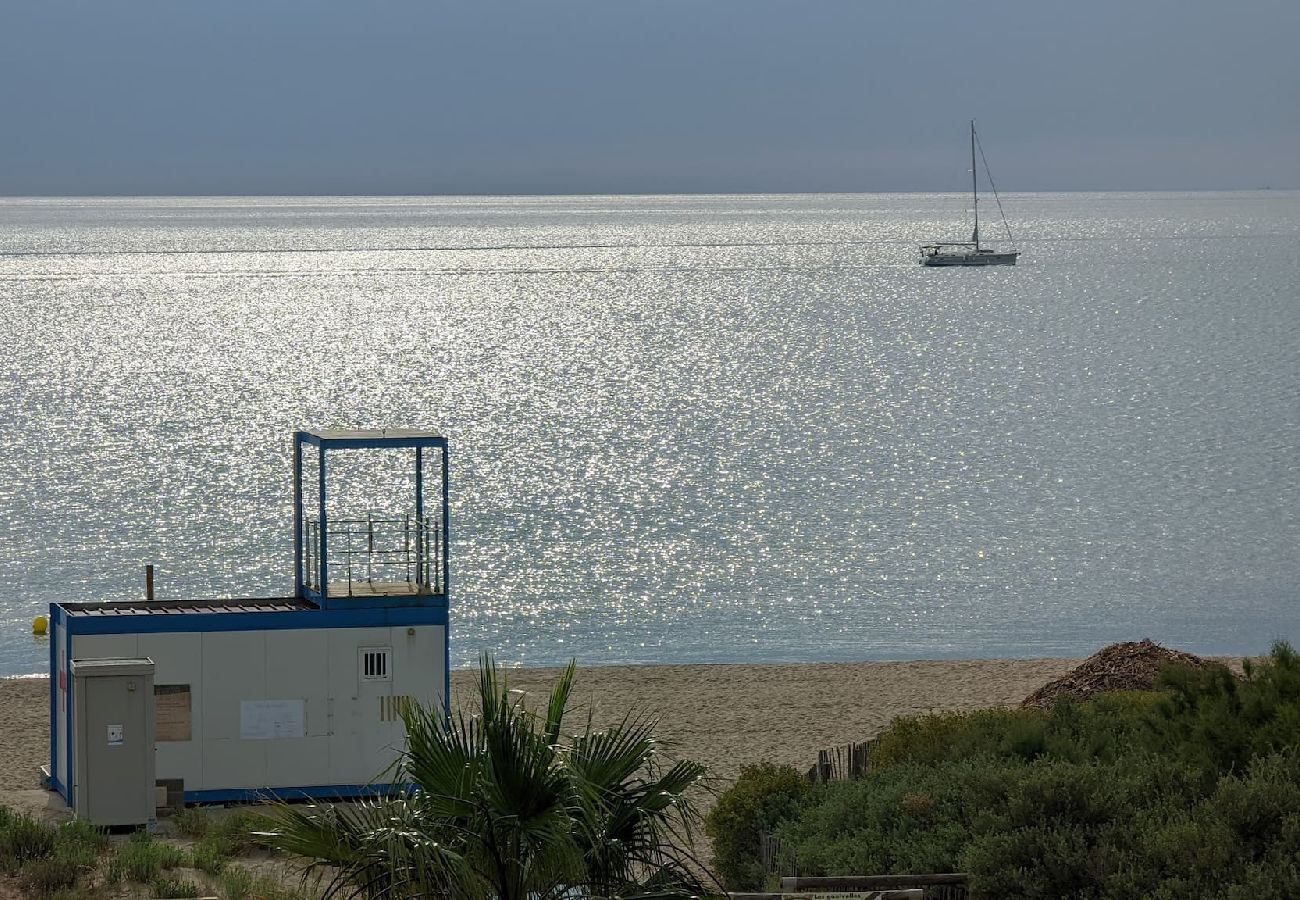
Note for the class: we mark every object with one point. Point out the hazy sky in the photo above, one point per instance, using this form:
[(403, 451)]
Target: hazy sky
[(390, 96)]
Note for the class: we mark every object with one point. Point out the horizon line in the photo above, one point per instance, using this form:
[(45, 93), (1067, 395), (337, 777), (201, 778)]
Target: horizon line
[(543, 194)]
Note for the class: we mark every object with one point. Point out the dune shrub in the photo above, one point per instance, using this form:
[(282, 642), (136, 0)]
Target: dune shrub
[(78, 833), (221, 837), (23, 839), (236, 882), (50, 859), (46, 877), (1189, 791), (142, 858), (207, 856), (762, 796), (192, 821), (169, 887)]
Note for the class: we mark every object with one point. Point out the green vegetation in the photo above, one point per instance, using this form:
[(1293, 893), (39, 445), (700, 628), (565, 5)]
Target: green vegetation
[(75, 860), (51, 860), (142, 859), (507, 806), (221, 837), (192, 821), (208, 858), (22, 840), (167, 886), (763, 796), (1191, 791), (238, 883)]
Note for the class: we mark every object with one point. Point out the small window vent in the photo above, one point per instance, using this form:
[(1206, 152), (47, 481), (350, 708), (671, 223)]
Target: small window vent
[(375, 664)]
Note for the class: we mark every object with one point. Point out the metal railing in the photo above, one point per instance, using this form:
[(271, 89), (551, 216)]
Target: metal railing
[(367, 555)]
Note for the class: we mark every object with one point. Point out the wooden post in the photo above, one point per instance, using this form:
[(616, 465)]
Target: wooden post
[(148, 581)]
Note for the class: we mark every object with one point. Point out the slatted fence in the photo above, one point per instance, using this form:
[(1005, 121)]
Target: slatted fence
[(847, 762)]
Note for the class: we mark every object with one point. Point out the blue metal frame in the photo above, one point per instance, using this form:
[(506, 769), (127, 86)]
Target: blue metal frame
[(311, 792), (446, 575), (325, 441), (270, 620), (323, 577), (69, 708), (297, 514), (54, 694), (59, 620)]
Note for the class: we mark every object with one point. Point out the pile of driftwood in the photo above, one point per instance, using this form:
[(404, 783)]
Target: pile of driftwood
[(1131, 666)]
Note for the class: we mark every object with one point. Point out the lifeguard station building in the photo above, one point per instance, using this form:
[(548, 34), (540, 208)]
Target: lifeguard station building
[(297, 696)]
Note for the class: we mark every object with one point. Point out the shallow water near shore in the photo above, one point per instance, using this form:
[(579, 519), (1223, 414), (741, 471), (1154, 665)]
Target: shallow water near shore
[(684, 429)]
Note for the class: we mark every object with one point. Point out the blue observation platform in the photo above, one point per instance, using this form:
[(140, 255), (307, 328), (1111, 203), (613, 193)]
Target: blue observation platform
[(358, 561)]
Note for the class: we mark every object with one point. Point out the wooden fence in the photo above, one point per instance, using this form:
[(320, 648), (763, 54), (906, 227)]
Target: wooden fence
[(774, 857), (847, 762)]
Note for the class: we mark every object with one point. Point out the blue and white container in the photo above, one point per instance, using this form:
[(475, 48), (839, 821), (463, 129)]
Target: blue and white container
[(297, 696)]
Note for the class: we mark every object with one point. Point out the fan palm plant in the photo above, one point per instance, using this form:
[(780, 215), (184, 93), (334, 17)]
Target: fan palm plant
[(503, 805)]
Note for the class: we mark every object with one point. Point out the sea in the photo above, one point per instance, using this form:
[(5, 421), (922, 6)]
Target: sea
[(683, 429)]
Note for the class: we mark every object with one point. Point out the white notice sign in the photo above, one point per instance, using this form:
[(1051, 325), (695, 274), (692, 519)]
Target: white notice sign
[(266, 720)]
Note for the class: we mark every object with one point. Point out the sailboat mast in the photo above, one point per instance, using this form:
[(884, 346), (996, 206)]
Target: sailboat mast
[(974, 184)]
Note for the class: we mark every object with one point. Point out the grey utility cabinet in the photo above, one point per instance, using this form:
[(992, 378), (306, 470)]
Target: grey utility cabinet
[(113, 757)]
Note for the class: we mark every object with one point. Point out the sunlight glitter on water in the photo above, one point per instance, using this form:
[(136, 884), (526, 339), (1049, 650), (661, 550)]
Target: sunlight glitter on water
[(682, 429)]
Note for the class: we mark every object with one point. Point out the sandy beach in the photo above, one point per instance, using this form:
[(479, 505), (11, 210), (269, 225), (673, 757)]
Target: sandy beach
[(722, 715)]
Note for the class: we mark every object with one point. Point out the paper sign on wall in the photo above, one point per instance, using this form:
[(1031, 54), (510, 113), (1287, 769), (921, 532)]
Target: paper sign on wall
[(171, 712), (115, 736), (266, 720)]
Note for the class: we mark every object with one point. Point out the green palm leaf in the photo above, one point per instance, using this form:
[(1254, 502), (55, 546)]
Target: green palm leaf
[(503, 806)]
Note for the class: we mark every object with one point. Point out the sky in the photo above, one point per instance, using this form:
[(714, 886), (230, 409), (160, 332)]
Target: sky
[(626, 96)]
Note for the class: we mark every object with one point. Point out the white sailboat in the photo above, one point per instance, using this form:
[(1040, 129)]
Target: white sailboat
[(972, 253)]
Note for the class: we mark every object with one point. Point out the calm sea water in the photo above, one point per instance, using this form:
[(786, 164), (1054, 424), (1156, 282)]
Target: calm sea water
[(684, 429)]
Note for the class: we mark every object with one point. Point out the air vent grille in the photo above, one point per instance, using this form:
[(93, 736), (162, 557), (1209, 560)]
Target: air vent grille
[(376, 664)]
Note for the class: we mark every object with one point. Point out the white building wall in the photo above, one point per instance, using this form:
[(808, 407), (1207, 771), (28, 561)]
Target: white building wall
[(105, 646), (234, 670), (418, 655), (297, 667), (350, 732), (178, 660)]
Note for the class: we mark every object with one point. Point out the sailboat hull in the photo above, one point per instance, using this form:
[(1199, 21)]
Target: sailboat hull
[(981, 258)]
